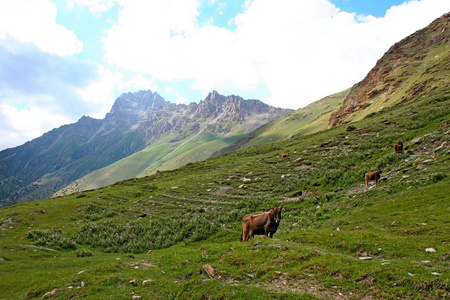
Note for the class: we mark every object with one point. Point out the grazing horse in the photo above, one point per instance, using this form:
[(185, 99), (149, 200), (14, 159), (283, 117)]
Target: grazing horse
[(373, 176), (266, 223), (398, 147)]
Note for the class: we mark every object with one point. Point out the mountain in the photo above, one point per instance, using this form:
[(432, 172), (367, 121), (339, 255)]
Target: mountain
[(141, 121), (415, 67)]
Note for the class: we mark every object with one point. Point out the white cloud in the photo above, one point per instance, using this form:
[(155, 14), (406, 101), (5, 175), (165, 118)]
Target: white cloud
[(175, 94), (34, 21), (98, 95), (154, 30), (181, 100), (299, 51), (139, 82), (41, 91), (96, 7), (20, 125)]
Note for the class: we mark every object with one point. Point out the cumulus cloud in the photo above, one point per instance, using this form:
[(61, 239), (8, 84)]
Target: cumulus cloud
[(38, 76), (299, 51), (40, 91), (152, 30), (20, 125), (34, 21), (43, 84)]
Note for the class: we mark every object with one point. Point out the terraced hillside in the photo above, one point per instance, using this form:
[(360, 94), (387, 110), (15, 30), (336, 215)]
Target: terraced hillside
[(176, 234)]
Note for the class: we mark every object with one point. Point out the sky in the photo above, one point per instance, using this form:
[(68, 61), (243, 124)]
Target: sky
[(62, 59)]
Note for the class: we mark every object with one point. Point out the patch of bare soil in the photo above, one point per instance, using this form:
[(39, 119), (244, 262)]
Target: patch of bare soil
[(357, 189), (221, 191), (284, 283), (300, 195)]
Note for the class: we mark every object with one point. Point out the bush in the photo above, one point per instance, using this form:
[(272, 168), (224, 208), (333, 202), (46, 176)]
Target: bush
[(437, 177), (54, 238), (81, 252), (137, 237), (94, 211)]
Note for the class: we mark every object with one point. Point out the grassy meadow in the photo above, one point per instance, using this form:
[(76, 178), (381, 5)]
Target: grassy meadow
[(176, 234)]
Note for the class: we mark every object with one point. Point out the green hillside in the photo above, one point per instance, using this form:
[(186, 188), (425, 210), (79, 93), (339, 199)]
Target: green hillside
[(164, 154), (175, 234)]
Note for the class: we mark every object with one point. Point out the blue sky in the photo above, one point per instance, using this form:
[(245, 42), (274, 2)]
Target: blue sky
[(62, 59), (376, 8)]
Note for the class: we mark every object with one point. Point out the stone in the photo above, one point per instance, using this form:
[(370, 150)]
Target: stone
[(133, 282), (51, 294), (418, 140), (146, 281), (209, 270)]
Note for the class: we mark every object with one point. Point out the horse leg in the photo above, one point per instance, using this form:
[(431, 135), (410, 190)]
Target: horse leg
[(246, 233), (266, 231)]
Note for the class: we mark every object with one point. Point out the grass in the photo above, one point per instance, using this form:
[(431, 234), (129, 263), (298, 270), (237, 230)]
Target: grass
[(337, 237)]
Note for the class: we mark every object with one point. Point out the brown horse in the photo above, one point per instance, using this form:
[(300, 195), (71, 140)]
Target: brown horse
[(398, 147), (373, 176), (266, 224)]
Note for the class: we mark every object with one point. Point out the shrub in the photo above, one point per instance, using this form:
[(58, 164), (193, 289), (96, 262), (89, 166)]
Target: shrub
[(437, 177), (137, 237), (82, 252), (94, 211), (54, 238)]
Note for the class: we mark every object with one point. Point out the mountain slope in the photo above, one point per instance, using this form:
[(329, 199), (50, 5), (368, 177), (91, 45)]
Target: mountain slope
[(309, 119), (137, 121), (37, 168), (415, 67)]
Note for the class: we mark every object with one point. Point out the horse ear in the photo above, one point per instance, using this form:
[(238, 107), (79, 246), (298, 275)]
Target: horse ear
[(283, 209)]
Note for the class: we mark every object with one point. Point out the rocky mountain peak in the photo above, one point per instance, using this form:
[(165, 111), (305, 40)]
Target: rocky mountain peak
[(138, 102), (214, 96), (234, 108), (129, 107)]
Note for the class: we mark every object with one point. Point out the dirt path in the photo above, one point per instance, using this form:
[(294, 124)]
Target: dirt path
[(198, 199)]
